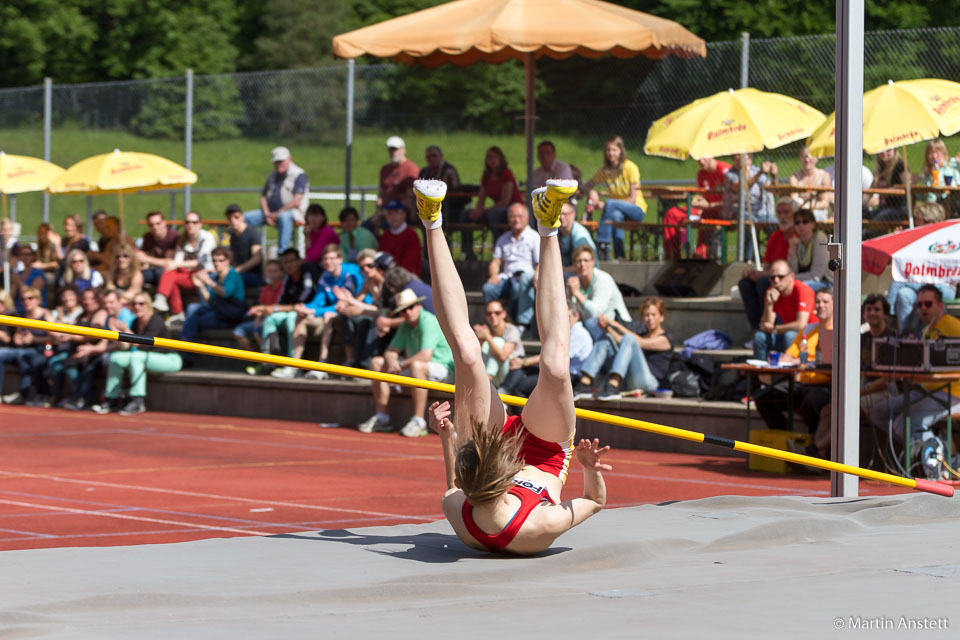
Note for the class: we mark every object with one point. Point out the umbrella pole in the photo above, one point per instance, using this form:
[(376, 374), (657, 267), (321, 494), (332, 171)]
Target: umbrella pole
[(907, 183)]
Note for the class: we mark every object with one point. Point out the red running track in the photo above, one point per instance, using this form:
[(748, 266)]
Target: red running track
[(78, 479)]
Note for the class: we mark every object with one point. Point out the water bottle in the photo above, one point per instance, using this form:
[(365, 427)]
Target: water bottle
[(935, 173), (804, 350), (47, 350)]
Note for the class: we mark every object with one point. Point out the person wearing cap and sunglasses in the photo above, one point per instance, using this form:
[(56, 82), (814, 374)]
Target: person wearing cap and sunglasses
[(418, 350), (284, 198)]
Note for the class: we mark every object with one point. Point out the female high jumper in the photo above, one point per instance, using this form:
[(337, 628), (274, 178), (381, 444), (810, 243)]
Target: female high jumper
[(504, 475)]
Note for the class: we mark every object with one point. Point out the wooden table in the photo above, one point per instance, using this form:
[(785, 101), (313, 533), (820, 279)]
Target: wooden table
[(914, 381)]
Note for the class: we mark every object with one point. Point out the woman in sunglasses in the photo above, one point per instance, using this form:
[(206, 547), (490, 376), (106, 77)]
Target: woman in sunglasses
[(138, 361), (808, 255), (193, 252)]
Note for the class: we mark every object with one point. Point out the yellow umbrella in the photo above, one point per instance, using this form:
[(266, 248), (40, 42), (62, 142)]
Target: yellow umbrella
[(731, 122), (122, 172), (20, 174), (897, 114), (494, 31)]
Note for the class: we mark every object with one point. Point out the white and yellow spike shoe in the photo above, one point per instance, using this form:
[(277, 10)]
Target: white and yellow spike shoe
[(548, 201), (430, 194)]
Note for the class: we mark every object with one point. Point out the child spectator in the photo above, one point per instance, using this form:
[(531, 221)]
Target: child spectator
[(354, 238), (222, 294), (269, 295), (400, 240)]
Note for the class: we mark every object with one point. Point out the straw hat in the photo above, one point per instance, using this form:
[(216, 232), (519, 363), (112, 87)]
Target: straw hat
[(404, 299)]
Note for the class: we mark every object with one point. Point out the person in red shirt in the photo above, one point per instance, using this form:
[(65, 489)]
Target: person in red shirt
[(710, 177), (787, 309), (400, 240), (753, 286), (396, 182)]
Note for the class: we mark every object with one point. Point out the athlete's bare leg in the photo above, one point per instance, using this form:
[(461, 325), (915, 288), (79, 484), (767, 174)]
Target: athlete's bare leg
[(549, 413), (475, 399)]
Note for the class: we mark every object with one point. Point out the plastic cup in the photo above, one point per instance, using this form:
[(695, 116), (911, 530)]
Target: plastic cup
[(948, 180), (773, 358)]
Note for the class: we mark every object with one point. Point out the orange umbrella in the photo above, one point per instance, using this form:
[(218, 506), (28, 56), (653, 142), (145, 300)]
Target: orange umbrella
[(468, 31)]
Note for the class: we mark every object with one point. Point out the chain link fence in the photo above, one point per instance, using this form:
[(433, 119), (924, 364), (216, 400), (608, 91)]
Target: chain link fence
[(578, 98)]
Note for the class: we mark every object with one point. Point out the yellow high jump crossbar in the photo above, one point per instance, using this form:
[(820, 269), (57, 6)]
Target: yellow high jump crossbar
[(938, 488)]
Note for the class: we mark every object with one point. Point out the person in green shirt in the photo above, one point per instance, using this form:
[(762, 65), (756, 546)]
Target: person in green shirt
[(418, 350), (353, 237)]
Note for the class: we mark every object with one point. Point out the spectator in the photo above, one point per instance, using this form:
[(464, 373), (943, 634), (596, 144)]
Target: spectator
[(550, 167), (193, 252), (125, 276), (939, 170), (418, 350), (8, 352), (48, 249), (222, 294), (866, 178), (757, 178), (711, 177), (245, 246), (67, 364), (73, 237), (34, 346), (353, 237), (808, 256), (810, 176), (67, 312), (138, 361), (396, 181), (595, 292), (812, 393), (79, 273), (8, 238), (499, 185), (317, 233), (157, 248), (890, 172), (26, 274), (753, 286), (787, 308), (318, 315), (572, 234), (499, 342), (873, 391), (400, 240), (633, 361), (284, 198), (93, 355), (706, 205), (113, 238), (512, 273), (99, 220), (925, 410), (69, 308), (363, 310), (300, 283), (620, 178), (525, 371), (453, 207), (269, 296)]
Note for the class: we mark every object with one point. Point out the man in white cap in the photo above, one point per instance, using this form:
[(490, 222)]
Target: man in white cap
[(284, 197), (418, 350), (396, 179)]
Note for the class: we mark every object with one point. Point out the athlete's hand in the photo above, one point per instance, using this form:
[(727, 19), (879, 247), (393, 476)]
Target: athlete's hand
[(588, 455), (439, 415)]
